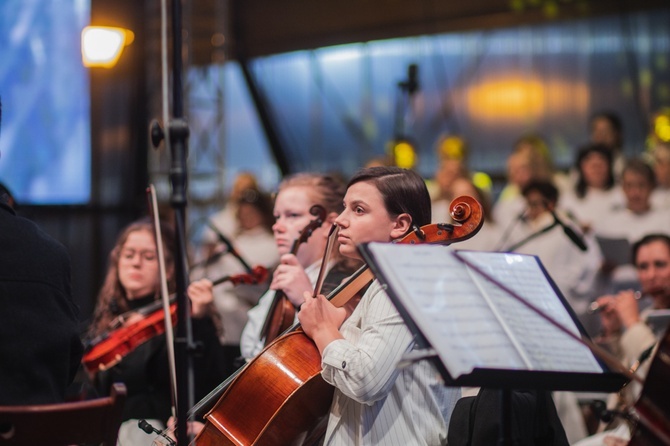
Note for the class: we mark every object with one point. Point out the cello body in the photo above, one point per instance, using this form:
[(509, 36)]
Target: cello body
[(279, 398), (289, 369)]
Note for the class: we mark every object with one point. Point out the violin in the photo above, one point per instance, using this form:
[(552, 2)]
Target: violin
[(109, 349), (286, 375), (282, 312)]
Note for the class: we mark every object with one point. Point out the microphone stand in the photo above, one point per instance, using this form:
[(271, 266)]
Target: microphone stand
[(535, 234), (177, 134), (229, 246)]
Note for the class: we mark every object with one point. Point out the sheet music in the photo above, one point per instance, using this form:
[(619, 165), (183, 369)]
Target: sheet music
[(473, 324), (548, 347)]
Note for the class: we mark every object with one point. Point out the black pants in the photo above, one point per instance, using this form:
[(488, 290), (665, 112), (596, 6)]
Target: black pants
[(534, 420)]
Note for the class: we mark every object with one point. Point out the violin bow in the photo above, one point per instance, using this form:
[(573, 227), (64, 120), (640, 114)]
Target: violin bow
[(165, 297)]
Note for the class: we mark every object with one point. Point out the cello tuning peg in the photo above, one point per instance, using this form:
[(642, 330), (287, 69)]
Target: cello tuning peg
[(419, 233)]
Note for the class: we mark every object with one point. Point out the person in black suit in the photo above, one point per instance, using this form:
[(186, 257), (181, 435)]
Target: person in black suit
[(39, 322)]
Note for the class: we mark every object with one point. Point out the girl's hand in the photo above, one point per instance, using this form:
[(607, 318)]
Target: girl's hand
[(200, 293), (290, 277)]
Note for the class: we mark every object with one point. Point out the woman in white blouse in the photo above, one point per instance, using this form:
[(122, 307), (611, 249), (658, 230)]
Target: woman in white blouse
[(595, 192), (374, 401)]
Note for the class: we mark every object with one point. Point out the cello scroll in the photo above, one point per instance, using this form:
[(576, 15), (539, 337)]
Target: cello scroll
[(468, 217)]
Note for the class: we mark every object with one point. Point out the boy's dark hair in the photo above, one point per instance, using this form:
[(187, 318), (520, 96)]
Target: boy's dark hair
[(647, 239), (548, 191), (402, 190)]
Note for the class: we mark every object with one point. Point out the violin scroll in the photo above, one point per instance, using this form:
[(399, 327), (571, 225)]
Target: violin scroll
[(320, 213)]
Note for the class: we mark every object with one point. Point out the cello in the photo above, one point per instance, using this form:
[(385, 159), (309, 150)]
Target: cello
[(287, 373), (652, 409), (282, 312)]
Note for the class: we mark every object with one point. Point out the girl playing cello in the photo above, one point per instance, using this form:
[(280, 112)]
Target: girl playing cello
[(375, 402), (298, 272)]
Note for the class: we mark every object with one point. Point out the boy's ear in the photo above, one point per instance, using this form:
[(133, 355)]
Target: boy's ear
[(329, 221), (401, 226), (331, 217)]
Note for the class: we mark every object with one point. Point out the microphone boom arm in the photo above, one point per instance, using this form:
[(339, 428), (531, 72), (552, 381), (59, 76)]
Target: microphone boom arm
[(231, 249)]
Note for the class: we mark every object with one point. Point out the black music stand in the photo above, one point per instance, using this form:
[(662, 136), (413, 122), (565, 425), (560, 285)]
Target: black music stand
[(458, 314)]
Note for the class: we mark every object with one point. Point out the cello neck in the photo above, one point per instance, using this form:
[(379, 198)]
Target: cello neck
[(345, 292)]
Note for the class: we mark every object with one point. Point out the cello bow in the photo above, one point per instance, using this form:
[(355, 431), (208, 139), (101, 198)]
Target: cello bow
[(286, 375)]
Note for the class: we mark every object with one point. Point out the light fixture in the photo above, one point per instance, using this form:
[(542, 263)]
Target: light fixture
[(403, 153), (101, 46), (662, 124)]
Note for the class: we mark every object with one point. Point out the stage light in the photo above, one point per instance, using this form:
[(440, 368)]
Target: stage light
[(452, 147), (403, 153), (662, 125), (101, 46), (483, 181)]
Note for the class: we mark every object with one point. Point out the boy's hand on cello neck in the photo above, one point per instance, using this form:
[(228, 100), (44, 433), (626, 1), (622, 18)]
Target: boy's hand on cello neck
[(321, 320)]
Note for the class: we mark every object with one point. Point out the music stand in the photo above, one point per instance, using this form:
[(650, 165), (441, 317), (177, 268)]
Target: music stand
[(481, 336)]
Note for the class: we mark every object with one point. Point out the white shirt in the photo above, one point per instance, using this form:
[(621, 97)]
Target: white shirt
[(590, 209), (622, 223), (507, 211), (225, 221), (374, 402), (660, 198)]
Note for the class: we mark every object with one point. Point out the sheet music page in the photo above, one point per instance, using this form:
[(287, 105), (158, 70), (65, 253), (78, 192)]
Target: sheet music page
[(460, 314), (547, 347), (439, 294)]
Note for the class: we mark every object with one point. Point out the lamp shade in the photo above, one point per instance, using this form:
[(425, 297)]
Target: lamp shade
[(101, 46)]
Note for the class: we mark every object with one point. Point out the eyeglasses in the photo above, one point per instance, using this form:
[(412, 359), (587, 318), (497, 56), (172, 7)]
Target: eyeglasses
[(145, 255)]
